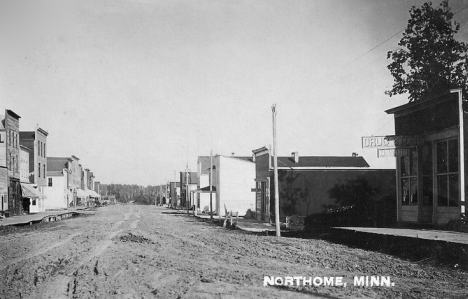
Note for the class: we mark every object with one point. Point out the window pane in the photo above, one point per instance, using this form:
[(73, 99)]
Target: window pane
[(405, 191), (442, 190), (414, 161), (453, 155), (454, 192), (427, 159), (414, 191), (427, 190), (404, 165), (442, 157)]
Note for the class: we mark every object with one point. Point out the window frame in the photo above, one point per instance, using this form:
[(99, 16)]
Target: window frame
[(409, 177), (448, 173)]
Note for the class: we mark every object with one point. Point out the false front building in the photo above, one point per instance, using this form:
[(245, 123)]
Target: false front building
[(431, 170), (36, 141), (10, 187)]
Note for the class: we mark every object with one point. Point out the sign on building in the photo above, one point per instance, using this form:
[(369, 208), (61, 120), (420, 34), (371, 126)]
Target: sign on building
[(391, 141), (392, 152)]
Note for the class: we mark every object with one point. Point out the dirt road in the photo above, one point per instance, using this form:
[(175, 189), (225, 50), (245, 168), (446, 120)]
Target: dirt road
[(149, 252)]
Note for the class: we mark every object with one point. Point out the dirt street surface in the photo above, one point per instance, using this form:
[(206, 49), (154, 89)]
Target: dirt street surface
[(148, 252)]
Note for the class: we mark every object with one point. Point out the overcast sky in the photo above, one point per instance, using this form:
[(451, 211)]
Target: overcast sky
[(137, 89)]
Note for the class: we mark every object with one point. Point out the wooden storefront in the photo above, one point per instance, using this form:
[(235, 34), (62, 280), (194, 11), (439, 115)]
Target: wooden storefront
[(430, 175)]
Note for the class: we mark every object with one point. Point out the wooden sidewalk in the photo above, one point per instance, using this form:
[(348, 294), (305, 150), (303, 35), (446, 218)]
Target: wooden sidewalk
[(43, 216), (425, 234)]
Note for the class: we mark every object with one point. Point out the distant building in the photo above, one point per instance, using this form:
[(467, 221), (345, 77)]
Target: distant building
[(203, 189), (234, 179), (10, 187), (97, 187), (32, 199), (59, 189), (36, 141), (174, 191), (24, 164), (306, 183), (191, 185)]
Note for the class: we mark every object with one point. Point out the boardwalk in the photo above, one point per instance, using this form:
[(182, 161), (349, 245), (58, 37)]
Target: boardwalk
[(434, 235)]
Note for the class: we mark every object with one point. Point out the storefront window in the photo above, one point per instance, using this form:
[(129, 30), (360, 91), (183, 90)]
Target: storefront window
[(448, 186), (427, 174), (409, 180)]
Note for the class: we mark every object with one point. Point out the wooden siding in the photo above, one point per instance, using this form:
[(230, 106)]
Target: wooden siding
[(305, 192), (437, 117), (262, 167), (409, 214)]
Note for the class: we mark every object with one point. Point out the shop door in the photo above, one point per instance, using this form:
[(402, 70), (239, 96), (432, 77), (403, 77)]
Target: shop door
[(263, 199)]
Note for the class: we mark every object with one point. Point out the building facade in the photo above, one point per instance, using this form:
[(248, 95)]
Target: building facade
[(309, 184), (202, 194), (234, 180), (36, 141), (9, 162), (188, 186), (60, 187), (174, 191), (431, 135)]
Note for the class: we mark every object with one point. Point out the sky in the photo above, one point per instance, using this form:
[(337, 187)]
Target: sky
[(138, 89)]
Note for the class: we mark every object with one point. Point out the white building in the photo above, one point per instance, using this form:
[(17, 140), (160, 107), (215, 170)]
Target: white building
[(234, 181), (58, 191), (203, 190)]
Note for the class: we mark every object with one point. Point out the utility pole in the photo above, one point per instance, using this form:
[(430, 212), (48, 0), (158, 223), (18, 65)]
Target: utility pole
[(211, 183), (275, 159)]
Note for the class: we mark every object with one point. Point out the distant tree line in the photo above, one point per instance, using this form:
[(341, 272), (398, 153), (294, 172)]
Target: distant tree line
[(139, 194)]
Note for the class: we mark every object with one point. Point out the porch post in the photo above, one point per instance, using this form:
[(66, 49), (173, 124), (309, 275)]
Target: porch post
[(461, 150)]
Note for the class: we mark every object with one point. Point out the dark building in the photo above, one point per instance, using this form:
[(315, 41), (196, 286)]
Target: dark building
[(174, 193), (309, 184), (431, 135), (188, 180), (9, 162)]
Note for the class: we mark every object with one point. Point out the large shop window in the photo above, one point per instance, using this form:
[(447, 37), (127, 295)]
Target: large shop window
[(448, 186), (427, 172), (409, 178)]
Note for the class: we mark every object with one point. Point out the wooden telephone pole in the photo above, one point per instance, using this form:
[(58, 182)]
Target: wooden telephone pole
[(275, 159)]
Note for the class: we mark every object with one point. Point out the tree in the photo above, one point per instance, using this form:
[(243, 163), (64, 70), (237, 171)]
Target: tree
[(429, 60)]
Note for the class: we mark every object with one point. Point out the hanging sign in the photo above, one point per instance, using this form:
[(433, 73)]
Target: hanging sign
[(391, 141), (393, 152)]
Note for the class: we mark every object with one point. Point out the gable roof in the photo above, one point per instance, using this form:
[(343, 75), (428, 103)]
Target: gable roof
[(57, 163), (322, 161)]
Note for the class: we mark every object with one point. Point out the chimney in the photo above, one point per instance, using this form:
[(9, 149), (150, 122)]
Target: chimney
[(355, 154), (295, 156), (232, 154), (253, 157)]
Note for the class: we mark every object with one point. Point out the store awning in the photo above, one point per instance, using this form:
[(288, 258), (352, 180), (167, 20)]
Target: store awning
[(94, 194), (81, 193), (29, 191)]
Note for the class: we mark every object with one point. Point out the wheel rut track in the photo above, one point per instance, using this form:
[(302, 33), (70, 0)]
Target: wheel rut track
[(64, 285)]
